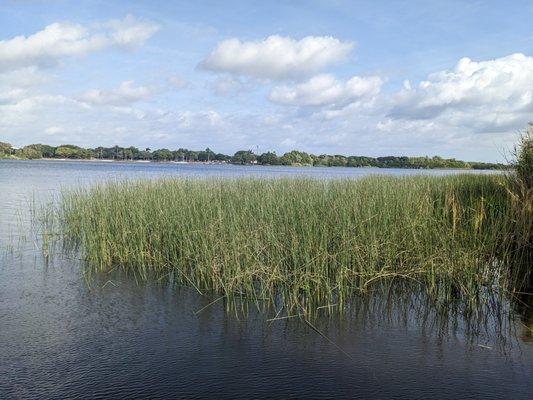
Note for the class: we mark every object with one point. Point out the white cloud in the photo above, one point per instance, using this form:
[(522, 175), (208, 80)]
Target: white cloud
[(129, 31), (64, 39), (12, 96), (16, 86), (128, 111), (125, 93), (189, 119), (440, 115), (277, 57), (22, 78), (491, 95), (325, 90), (31, 110)]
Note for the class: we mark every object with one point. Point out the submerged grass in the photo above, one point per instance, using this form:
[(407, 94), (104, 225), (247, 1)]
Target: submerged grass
[(302, 243)]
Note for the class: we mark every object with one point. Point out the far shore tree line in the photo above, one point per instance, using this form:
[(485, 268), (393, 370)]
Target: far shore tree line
[(241, 157)]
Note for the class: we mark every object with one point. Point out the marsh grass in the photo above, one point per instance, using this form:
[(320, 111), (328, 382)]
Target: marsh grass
[(519, 183), (299, 244)]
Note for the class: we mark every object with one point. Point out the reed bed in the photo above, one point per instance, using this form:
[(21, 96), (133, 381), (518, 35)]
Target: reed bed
[(299, 243)]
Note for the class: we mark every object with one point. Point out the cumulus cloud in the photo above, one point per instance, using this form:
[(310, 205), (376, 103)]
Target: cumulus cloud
[(64, 39), (440, 115), (325, 90), (277, 57), (492, 95), (125, 93)]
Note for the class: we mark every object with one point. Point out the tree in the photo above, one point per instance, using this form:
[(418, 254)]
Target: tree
[(296, 157), (29, 152), (357, 161), (5, 148), (144, 155), (118, 153), (222, 157), (180, 154), (43, 150), (128, 154), (337, 161), (321, 160), (99, 151), (162, 155), (209, 153), (133, 152), (206, 155), (243, 157), (192, 155), (269, 158), (71, 151), (47, 151)]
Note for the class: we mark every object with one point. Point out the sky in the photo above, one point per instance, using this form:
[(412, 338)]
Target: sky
[(375, 78)]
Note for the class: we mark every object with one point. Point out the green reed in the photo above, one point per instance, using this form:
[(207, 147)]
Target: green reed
[(302, 243)]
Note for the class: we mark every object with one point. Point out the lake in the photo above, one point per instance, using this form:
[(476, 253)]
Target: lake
[(63, 336)]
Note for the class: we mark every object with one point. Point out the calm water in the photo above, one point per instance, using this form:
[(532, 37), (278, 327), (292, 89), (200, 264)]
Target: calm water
[(62, 337)]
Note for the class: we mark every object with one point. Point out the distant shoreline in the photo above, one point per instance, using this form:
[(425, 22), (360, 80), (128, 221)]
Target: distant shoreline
[(107, 161), (67, 152)]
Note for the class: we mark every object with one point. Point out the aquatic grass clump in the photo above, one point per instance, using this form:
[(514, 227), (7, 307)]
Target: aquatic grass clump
[(299, 242), (520, 184)]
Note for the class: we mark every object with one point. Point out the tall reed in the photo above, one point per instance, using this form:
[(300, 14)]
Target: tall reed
[(299, 242), (520, 187)]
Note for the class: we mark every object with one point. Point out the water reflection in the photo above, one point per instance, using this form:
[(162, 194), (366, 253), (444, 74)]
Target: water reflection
[(63, 333)]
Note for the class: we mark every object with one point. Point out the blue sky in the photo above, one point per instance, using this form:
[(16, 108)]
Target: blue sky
[(453, 78)]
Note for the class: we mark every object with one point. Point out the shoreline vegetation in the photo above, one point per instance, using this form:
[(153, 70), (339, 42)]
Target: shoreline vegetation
[(303, 244), (241, 157)]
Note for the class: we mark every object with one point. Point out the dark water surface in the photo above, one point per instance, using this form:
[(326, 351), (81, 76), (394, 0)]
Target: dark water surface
[(62, 337)]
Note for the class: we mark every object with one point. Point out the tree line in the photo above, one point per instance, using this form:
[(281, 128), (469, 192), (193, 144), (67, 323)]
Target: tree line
[(241, 157)]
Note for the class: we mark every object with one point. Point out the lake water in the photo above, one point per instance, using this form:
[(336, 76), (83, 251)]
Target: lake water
[(64, 337)]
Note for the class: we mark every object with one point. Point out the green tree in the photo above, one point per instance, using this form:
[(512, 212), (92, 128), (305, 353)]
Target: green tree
[(206, 155), (243, 157), (192, 155), (337, 161), (144, 155), (268, 158), (162, 155), (222, 157), (296, 157), (180, 154), (71, 151), (5, 148), (29, 152), (47, 151)]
